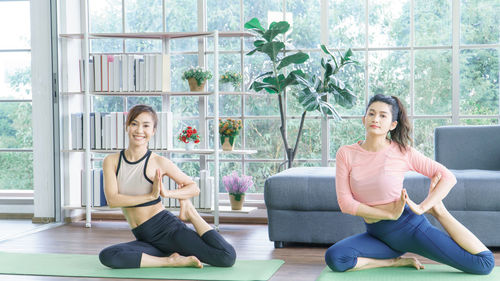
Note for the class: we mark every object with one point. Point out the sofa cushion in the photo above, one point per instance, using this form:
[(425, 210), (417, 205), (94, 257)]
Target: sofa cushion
[(313, 189), (468, 147)]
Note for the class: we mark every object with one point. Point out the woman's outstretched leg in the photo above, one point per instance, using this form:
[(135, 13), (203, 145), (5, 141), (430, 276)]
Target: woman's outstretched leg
[(457, 231)]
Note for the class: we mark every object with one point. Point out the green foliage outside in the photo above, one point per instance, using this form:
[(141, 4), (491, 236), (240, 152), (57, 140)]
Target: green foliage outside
[(388, 73)]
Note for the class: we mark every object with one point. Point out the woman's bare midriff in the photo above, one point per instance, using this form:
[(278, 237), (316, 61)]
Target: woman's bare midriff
[(387, 207), (138, 215)]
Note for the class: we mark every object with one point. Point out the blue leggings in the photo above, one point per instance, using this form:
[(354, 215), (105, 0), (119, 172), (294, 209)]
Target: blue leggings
[(413, 233), (164, 234)]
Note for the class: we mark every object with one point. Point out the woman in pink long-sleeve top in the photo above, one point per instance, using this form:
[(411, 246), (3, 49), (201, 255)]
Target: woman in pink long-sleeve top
[(369, 184)]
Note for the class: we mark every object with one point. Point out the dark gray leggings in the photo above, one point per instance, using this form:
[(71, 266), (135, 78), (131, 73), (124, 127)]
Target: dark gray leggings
[(163, 235)]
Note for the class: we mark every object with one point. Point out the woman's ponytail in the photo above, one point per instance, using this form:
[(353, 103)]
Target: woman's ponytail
[(402, 133)]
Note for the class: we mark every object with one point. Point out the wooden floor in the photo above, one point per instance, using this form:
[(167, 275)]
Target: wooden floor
[(302, 262)]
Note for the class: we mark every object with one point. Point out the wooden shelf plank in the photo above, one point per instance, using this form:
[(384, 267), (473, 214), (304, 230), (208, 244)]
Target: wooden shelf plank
[(162, 93), (156, 35), (177, 150)]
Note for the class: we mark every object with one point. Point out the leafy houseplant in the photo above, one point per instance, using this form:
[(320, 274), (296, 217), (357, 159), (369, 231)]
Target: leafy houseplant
[(189, 136), (313, 89), (196, 77), (233, 78), (228, 130), (236, 186)]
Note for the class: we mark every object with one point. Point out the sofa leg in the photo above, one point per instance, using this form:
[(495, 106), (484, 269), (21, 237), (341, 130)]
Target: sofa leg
[(279, 244)]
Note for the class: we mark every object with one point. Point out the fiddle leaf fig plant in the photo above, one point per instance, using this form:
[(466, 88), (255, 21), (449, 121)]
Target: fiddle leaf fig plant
[(285, 72)]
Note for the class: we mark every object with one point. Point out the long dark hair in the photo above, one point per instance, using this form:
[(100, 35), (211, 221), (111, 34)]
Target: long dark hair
[(400, 134), (138, 109)]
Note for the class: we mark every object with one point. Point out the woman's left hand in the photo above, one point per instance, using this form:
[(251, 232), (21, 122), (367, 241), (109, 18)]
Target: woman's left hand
[(416, 208)]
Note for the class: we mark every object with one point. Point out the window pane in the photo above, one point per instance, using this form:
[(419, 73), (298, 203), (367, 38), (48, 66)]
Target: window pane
[(390, 74), (433, 82), (260, 172), (265, 11), (106, 45), (191, 168), (479, 81), (143, 16), (178, 64), (389, 23), (142, 46), (16, 16), (345, 132), (310, 140), (480, 21), (265, 137), (181, 15), (479, 121), (16, 170), (262, 105), (15, 75), (154, 102), (432, 22), (15, 125), (346, 21), (305, 23), (108, 104), (105, 16), (184, 106), (185, 44), (223, 15), (424, 134)]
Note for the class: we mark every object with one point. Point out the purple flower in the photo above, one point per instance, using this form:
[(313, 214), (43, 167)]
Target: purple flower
[(235, 184)]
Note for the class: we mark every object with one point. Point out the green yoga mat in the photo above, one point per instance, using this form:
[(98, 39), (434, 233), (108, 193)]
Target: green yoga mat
[(431, 272), (89, 266)]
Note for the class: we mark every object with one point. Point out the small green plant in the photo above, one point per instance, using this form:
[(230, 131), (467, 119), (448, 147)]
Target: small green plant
[(234, 78), (198, 73)]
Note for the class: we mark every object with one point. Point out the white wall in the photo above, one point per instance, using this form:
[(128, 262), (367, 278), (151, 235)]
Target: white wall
[(41, 76)]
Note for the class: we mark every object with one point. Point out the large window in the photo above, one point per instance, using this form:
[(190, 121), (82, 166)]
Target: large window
[(441, 57), (16, 138)]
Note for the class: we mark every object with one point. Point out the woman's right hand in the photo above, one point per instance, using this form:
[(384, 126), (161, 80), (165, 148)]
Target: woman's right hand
[(157, 185), (399, 206)]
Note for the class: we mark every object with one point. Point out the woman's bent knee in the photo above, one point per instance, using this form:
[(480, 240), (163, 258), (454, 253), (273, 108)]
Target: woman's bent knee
[(485, 264), (340, 259), (227, 259)]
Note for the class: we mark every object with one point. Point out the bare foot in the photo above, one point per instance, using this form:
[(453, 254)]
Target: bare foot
[(184, 211), (409, 262), (176, 260)]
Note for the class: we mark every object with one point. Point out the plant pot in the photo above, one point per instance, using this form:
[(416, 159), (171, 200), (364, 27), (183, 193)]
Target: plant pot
[(227, 87), (236, 201), (193, 85), (190, 146), (227, 143)]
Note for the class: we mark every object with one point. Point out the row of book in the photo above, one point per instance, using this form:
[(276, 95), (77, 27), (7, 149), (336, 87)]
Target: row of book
[(126, 73), (107, 131), (204, 200)]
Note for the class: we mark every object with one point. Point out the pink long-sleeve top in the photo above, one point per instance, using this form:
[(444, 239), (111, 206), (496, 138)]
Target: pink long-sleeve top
[(376, 178)]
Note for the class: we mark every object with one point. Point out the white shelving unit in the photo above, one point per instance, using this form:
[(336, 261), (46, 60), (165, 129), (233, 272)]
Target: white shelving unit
[(67, 41)]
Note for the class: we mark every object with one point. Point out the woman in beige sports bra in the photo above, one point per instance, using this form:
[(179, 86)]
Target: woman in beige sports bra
[(132, 181)]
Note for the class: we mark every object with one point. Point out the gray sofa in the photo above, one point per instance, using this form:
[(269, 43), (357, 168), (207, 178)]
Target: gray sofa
[(302, 203)]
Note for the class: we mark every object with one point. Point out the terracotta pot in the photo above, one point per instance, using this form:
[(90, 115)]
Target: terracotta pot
[(226, 144), (193, 85), (236, 204)]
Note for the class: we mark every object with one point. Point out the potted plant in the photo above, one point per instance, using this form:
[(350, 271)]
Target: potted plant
[(228, 130), (231, 78), (236, 186), (196, 77), (189, 136), (315, 89)]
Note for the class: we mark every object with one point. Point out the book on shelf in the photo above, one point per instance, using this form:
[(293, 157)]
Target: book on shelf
[(127, 73), (97, 196), (204, 200), (108, 131)]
